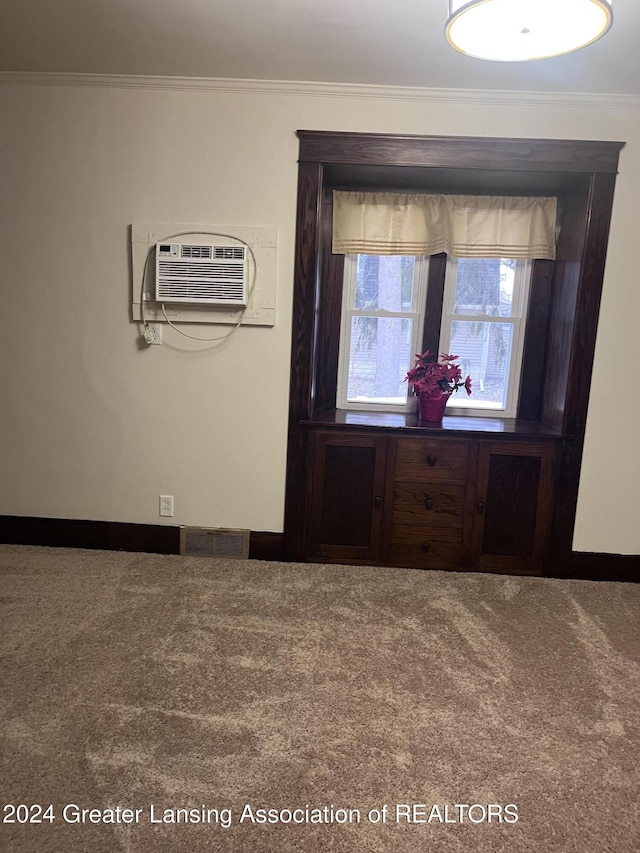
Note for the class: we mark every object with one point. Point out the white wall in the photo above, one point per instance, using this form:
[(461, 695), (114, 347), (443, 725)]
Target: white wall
[(95, 427)]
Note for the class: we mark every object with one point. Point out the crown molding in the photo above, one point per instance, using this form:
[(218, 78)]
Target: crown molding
[(333, 90)]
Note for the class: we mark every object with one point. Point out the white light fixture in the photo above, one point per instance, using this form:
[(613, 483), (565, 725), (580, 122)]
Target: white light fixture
[(518, 30)]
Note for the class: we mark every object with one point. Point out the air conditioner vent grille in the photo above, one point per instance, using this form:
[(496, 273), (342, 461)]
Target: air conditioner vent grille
[(229, 252), (205, 275), (196, 251), (201, 271), (200, 290)]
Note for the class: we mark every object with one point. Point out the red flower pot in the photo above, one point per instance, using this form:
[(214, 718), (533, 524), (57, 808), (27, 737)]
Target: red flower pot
[(431, 409)]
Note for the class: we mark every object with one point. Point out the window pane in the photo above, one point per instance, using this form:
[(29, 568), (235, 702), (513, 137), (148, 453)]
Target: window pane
[(485, 286), (379, 359), (485, 355), (384, 283)]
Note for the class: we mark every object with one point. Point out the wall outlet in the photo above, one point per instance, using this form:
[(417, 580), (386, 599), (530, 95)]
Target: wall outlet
[(153, 333), (166, 505)]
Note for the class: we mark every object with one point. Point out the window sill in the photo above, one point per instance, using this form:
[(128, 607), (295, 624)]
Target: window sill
[(408, 422)]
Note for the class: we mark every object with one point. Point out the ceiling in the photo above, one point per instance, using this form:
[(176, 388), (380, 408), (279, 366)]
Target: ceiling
[(378, 42)]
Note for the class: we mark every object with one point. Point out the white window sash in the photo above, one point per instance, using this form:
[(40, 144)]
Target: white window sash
[(416, 314), (517, 320), (466, 226)]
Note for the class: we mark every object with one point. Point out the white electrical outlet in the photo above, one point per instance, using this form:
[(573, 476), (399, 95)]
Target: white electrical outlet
[(155, 332), (166, 505)]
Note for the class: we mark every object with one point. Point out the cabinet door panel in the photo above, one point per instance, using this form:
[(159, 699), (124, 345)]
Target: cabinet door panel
[(514, 503), (347, 497), (511, 504)]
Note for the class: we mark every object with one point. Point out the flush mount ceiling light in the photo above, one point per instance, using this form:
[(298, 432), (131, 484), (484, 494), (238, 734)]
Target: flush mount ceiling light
[(518, 30)]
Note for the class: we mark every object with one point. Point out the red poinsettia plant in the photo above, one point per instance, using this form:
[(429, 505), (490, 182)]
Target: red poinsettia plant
[(433, 378)]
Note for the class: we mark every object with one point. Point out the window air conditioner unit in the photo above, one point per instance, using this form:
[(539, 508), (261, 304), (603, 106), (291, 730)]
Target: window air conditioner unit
[(202, 275)]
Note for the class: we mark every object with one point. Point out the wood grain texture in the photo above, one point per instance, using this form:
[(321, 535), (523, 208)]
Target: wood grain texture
[(434, 304), (421, 550), (347, 499), (566, 285), (432, 460), (329, 311), (348, 478), (467, 152), (510, 505), (583, 324), (515, 494), (429, 507), (587, 307), (451, 427), (308, 224), (534, 357)]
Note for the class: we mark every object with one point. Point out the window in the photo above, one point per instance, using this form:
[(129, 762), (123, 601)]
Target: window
[(381, 330), (483, 320)]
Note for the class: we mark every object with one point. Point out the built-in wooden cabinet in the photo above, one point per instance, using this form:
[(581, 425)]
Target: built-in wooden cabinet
[(353, 490), (430, 502)]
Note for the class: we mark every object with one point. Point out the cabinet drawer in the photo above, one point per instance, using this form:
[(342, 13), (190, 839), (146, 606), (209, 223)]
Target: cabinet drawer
[(418, 550), (427, 506), (423, 459)]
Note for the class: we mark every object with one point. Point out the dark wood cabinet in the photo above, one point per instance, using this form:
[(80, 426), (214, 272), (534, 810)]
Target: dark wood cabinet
[(347, 499), (508, 491), (513, 506), (430, 502)]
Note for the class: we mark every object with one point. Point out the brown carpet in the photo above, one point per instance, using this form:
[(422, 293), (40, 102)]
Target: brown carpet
[(135, 681)]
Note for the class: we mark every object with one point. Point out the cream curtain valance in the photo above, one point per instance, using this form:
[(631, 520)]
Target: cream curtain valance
[(466, 226)]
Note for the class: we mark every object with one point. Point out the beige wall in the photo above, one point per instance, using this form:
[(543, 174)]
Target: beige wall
[(95, 427)]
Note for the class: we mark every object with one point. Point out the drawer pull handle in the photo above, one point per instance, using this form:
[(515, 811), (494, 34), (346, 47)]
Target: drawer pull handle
[(377, 501), (480, 507), (428, 502), (426, 546), (431, 460)]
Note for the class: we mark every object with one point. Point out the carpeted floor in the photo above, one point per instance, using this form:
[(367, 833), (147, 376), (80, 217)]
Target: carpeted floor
[(156, 684)]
